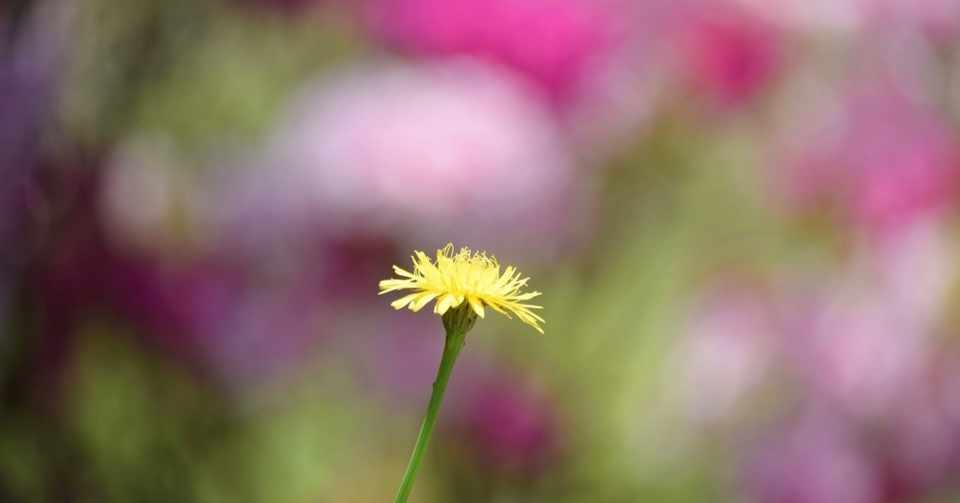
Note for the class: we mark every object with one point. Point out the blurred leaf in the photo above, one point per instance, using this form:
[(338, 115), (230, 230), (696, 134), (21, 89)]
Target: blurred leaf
[(203, 73), (143, 425)]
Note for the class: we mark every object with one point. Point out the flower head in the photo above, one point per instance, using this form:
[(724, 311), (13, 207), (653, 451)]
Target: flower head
[(459, 277)]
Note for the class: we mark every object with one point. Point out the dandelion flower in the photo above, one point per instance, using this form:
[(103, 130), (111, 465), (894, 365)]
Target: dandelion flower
[(462, 284), (463, 279)]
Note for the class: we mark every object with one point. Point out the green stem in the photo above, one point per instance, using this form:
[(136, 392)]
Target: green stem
[(451, 349)]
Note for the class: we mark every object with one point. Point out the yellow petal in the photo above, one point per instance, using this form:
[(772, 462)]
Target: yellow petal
[(402, 272), (403, 301), (445, 303), (422, 300), (476, 304), (389, 285), (527, 296)]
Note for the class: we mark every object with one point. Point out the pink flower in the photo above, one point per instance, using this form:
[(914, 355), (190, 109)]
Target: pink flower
[(809, 17), (557, 44), (937, 19), (940, 19), (917, 270), (883, 159), (863, 357), (868, 342)]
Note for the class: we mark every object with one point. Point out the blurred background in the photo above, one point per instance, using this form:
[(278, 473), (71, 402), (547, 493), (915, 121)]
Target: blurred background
[(743, 214)]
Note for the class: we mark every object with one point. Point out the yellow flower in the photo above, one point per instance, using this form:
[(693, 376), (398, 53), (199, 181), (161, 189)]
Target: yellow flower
[(461, 277)]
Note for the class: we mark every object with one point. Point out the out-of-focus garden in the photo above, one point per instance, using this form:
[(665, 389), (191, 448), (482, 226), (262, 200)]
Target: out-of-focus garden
[(742, 214)]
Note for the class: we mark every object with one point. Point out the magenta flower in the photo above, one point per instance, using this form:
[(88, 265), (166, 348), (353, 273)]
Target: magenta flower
[(921, 452), (510, 425), (727, 54)]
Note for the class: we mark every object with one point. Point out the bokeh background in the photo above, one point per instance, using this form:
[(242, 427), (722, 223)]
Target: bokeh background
[(743, 214)]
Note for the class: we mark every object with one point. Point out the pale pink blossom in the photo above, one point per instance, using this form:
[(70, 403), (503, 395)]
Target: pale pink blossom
[(730, 346), (428, 153)]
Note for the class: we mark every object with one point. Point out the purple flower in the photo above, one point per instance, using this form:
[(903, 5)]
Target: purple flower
[(290, 7), (31, 60), (815, 459), (510, 425), (213, 317), (224, 318)]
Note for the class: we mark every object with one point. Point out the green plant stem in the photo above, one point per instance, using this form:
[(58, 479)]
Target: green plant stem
[(451, 349)]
